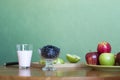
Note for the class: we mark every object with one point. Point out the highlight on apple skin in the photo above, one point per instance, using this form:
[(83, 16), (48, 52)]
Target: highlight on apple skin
[(104, 47), (107, 59), (92, 58)]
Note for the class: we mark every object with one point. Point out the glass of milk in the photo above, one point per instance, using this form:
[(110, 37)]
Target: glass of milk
[(24, 72), (24, 52)]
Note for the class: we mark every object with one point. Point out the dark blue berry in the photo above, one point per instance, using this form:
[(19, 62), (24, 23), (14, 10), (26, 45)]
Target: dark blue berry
[(50, 52)]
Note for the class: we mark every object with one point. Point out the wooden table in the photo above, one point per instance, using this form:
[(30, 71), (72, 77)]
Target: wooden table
[(65, 73)]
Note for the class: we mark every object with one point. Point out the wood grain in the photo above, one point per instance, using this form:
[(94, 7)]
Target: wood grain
[(74, 72)]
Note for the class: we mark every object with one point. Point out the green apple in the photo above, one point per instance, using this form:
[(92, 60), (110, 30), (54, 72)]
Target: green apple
[(72, 58), (107, 59)]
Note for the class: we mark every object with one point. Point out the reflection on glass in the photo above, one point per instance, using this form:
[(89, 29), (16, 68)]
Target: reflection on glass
[(24, 72)]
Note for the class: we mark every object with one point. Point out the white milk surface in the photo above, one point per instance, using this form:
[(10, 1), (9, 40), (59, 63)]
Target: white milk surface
[(24, 58)]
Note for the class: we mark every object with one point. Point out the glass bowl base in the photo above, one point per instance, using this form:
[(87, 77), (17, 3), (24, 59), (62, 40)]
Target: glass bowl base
[(49, 65)]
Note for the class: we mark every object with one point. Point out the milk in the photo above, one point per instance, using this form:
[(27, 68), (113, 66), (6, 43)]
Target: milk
[(24, 58), (24, 72)]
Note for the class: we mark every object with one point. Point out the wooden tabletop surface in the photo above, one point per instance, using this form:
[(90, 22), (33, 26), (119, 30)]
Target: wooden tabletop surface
[(65, 73)]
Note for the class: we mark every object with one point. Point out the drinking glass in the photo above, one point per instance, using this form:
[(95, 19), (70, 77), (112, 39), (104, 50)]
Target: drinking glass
[(24, 72), (24, 52)]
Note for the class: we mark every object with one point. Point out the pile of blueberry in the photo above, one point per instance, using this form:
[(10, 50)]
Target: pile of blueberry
[(50, 52)]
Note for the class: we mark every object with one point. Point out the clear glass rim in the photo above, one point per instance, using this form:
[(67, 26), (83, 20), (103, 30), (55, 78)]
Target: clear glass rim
[(22, 46)]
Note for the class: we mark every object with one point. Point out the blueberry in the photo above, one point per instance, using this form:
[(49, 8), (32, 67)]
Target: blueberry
[(50, 52)]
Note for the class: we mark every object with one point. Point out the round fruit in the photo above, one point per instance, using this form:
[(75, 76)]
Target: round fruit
[(59, 61), (92, 58), (42, 62), (107, 59), (72, 58), (117, 57), (104, 47)]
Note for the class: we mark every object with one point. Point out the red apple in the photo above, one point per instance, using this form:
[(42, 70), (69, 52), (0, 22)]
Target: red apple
[(117, 58), (92, 58), (104, 47)]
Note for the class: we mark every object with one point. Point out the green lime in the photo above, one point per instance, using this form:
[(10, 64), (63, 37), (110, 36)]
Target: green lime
[(56, 61), (72, 58), (59, 61), (42, 62)]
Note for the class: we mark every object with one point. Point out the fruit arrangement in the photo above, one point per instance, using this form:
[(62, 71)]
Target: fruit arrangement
[(56, 61), (52, 52), (103, 56), (71, 59)]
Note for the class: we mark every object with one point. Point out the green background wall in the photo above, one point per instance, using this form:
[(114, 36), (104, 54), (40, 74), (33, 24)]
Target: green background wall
[(75, 26)]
